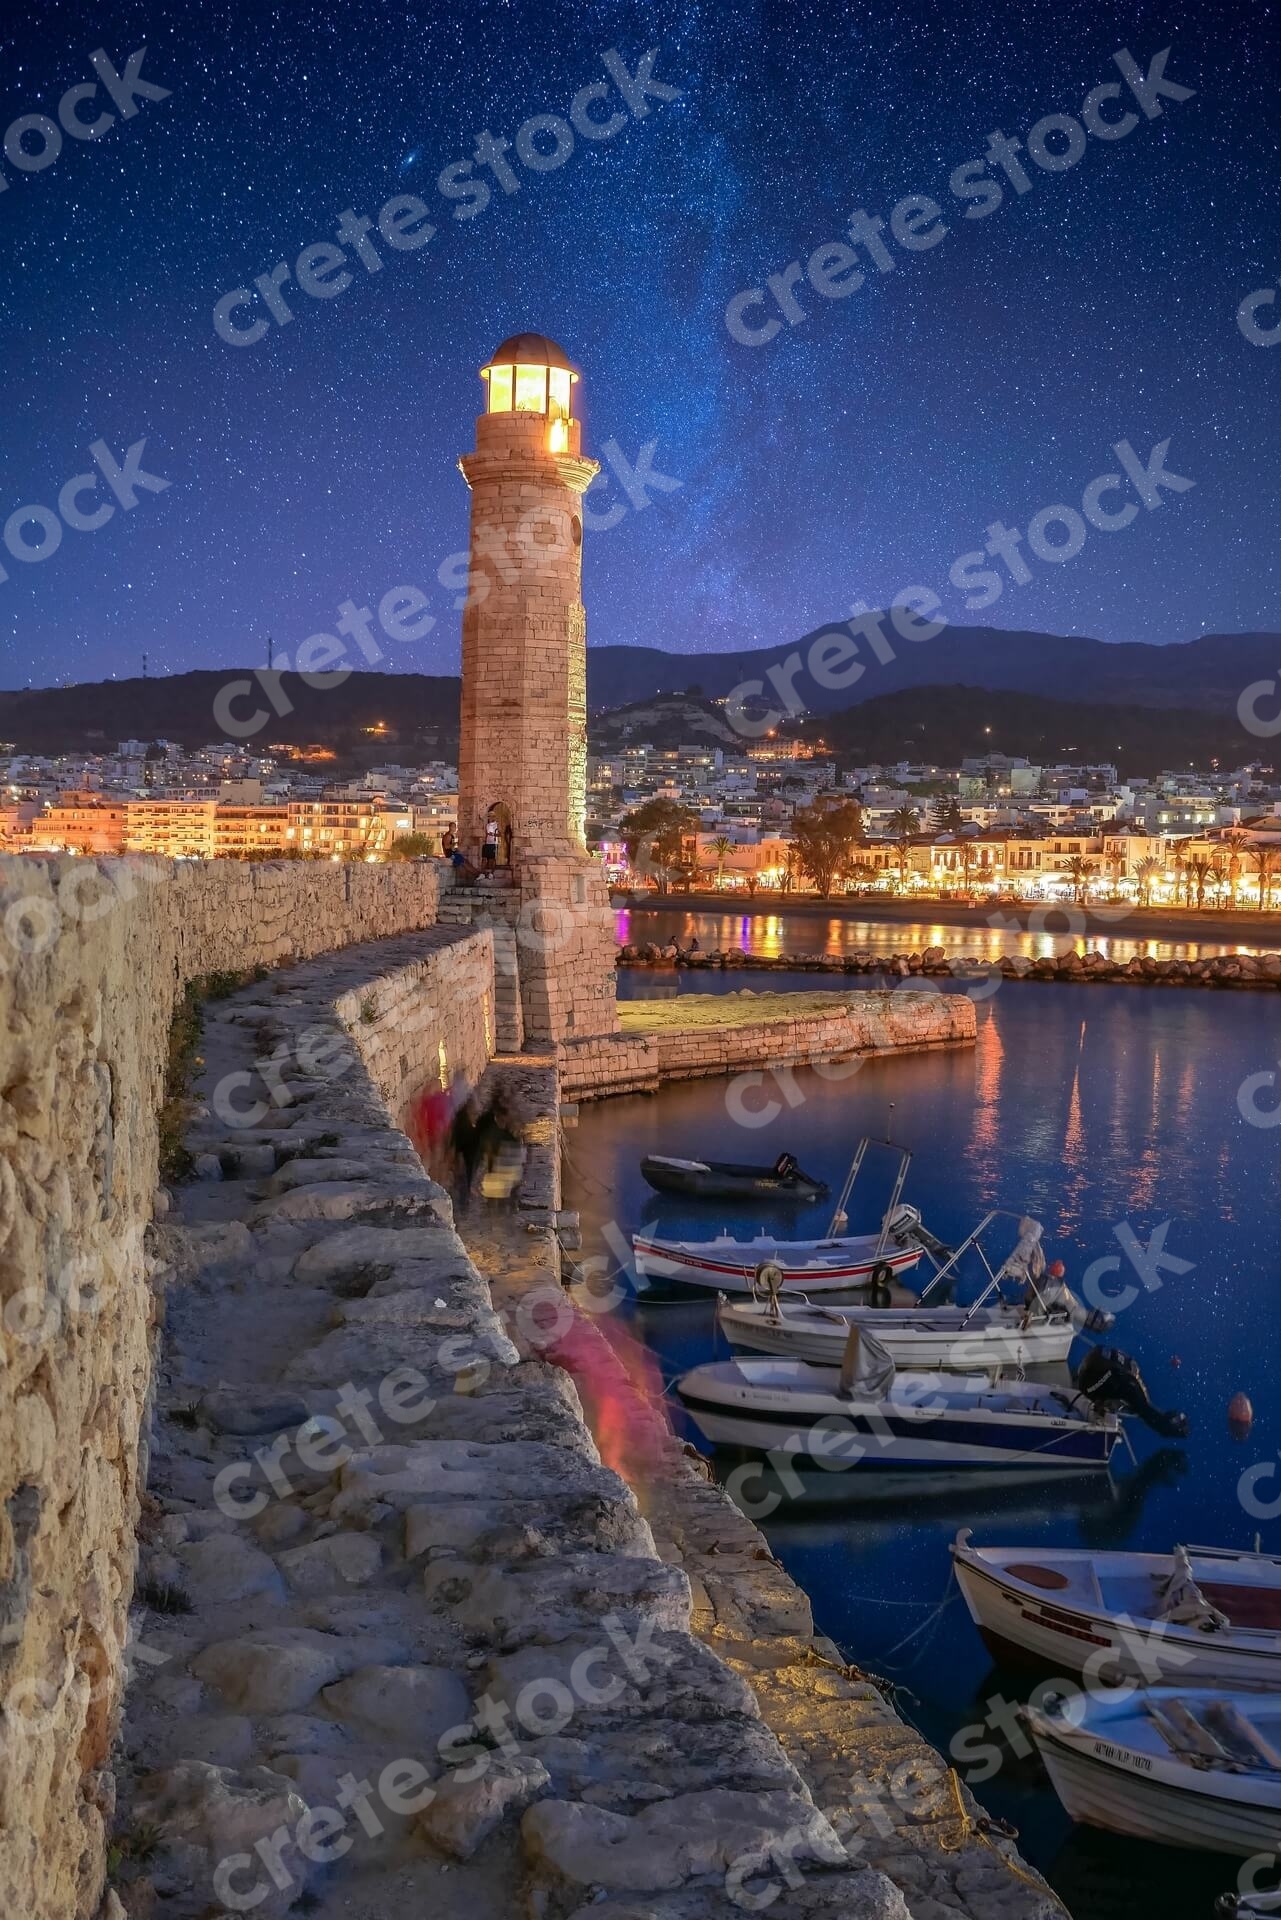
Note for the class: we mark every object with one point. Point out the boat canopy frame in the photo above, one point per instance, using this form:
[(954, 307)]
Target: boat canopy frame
[(840, 1217), (994, 1278)]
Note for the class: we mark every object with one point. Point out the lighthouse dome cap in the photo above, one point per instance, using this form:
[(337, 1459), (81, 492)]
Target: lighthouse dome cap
[(532, 350)]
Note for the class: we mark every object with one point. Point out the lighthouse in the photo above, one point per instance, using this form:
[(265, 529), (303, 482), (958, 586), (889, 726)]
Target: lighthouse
[(522, 764)]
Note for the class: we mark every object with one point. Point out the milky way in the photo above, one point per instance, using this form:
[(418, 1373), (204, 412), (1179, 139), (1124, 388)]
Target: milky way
[(858, 452)]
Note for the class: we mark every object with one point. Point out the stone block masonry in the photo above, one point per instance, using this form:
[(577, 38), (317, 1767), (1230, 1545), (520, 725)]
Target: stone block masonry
[(553, 949), (696, 1035), (94, 957)]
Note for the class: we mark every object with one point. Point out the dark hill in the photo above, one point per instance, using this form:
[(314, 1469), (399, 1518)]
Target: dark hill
[(1150, 706), (947, 724), (418, 714), (1207, 672)]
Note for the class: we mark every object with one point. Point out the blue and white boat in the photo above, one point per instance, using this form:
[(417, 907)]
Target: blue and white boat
[(866, 1413)]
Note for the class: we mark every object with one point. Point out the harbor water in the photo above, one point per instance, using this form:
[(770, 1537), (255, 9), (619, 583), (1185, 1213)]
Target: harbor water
[(773, 935), (1119, 1118)]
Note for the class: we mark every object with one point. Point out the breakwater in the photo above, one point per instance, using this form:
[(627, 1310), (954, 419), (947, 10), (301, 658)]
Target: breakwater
[(701, 1035), (1223, 970)]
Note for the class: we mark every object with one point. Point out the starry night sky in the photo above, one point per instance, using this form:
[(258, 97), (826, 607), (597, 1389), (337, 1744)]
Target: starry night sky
[(855, 454)]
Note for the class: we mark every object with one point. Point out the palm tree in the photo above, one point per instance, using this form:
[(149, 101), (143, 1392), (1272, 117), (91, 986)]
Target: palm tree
[(720, 847), (1198, 871), (1182, 879), (1236, 843), (904, 822), (1145, 873), (1080, 872), (966, 850), (1265, 863), (1218, 875), (787, 878)]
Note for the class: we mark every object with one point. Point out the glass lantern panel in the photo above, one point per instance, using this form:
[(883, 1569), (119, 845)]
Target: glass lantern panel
[(531, 389), (500, 389), (558, 378)]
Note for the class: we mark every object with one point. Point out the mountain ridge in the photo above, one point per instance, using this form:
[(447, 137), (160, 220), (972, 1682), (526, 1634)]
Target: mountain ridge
[(1210, 668), (379, 718)]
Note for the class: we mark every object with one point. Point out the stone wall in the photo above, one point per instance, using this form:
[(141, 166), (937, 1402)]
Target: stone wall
[(425, 1017), (696, 1035), (553, 949), (92, 959)]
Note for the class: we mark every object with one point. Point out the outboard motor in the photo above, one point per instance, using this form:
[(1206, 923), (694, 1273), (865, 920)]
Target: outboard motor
[(916, 1230), (1112, 1381)]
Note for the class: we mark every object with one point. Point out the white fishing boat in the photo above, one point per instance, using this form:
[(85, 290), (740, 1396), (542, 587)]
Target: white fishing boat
[(866, 1413), (1199, 1615), (1037, 1329), (939, 1338), (1189, 1767), (838, 1264), (725, 1265)]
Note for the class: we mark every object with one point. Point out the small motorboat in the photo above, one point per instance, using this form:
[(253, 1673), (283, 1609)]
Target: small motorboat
[(840, 1263), (947, 1339), (1188, 1767), (867, 1413), (1198, 1616), (1035, 1330), (727, 1180)]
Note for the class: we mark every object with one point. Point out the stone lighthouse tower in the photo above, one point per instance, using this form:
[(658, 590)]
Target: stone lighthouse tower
[(523, 749)]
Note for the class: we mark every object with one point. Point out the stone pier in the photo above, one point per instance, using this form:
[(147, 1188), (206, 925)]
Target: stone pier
[(308, 1459), (566, 1683), (694, 1036)]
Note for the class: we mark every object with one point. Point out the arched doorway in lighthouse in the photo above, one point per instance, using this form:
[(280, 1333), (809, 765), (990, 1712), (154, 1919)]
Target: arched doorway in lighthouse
[(498, 834)]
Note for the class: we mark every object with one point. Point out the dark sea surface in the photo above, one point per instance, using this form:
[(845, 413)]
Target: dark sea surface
[(1093, 1109)]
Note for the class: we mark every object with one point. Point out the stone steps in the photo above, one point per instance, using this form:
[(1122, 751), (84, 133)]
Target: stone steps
[(465, 906)]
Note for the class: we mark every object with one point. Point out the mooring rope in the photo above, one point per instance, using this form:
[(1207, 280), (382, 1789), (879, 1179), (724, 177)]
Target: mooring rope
[(983, 1830)]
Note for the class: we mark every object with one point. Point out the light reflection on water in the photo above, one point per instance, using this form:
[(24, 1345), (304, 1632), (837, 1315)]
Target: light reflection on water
[(773, 935), (1088, 1108)]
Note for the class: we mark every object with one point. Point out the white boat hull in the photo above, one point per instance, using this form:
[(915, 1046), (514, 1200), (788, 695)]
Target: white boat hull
[(1112, 1784), (916, 1338), (1059, 1630), (729, 1266), (926, 1422)]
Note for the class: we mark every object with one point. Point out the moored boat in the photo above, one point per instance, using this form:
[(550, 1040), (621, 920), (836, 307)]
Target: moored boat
[(842, 1265), (866, 1413), (952, 1339), (730, 1180), (1188, 1767), (1199, 1615)]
